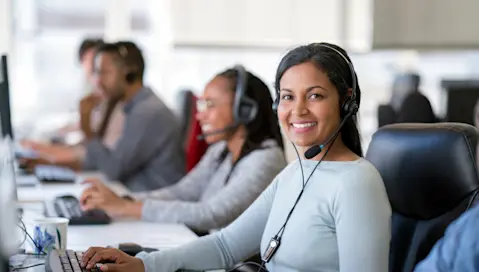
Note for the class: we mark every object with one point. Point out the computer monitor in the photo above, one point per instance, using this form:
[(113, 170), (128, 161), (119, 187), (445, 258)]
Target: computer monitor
[(462, 96), (8, 214), (5, 109)]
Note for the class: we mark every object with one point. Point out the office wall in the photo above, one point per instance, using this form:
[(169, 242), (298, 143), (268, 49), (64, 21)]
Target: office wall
[(5, 26), (47, 80), (193, 67), (426, 24)]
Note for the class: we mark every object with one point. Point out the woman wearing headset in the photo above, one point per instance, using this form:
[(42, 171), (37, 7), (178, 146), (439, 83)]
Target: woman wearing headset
[(326, 213), (246, 154)]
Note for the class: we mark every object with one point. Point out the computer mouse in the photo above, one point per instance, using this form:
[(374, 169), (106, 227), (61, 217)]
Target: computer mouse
[(130, 248), (133, 249)]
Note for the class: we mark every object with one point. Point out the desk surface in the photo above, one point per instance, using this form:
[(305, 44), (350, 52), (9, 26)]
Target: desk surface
[(147, 234), (42, 192)]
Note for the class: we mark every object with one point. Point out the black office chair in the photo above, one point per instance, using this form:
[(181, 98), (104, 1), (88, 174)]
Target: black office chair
[(386, 115), (431, 178)]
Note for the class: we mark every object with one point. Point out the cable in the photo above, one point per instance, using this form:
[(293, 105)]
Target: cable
[(30, 254), (260, 267), (24, 229), (279, 234), (24, 235), (281, 230), (299, 159), (26, 267)]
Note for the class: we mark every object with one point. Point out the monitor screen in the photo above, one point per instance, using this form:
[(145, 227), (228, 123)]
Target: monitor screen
[(8, 242), (5, 109), (1, 91), (1, 132), (461, 104), (462, 97)]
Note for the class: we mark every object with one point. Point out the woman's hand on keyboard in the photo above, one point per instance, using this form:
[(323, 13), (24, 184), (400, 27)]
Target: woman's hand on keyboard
[(99, 196), (112, 260)]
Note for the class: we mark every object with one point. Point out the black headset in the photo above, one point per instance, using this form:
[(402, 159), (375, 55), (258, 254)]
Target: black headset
[(245, 108), (350, 105), (130, 76)]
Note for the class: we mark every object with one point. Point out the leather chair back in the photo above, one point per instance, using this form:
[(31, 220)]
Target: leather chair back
[(431, 178)]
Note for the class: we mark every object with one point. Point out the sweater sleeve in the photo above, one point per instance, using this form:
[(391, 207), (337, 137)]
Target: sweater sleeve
[(363, 222), (250, 177), (190, 187), (222, 249)]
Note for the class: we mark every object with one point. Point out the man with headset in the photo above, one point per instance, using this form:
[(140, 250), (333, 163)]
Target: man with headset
[(148, 155), (70, 151)]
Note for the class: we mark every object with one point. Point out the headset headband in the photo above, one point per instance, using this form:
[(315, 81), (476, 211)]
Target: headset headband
[(351, 69)]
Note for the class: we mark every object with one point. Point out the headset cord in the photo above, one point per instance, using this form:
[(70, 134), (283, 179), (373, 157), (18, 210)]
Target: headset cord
[(259, 266), (279, 234)]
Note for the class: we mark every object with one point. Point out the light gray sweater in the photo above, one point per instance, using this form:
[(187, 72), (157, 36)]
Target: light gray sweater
[(342, 223), (204, 200)]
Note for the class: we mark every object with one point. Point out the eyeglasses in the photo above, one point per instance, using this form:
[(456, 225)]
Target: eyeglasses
[(203, 105)]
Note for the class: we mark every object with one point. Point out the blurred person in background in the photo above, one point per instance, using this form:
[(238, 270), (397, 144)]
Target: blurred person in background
[(242, 160), (148, 154), (458, 249), (73, 154), (404, 84), (416, 108)]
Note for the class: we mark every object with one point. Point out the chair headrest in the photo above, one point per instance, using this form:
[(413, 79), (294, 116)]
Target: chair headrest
[(386, 115), (427, 168)]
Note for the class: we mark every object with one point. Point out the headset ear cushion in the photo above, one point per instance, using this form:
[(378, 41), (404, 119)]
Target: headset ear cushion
[(349, 106), (247, 110)]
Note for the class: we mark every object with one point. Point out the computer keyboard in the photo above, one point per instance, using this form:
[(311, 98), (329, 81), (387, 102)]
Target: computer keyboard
[(69, 207), (65, 261), (53, 173)]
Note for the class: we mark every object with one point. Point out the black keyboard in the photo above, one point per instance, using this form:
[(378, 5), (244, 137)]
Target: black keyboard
[(53, 173), (69, 207), (65, 261)]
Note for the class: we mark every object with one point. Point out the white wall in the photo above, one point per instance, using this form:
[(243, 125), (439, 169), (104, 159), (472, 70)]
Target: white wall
[(46, 76), (426, 24), (193, 67), (271, 23), (5, 26)]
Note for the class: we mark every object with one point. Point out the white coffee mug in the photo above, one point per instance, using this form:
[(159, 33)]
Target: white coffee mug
[(50, 233)]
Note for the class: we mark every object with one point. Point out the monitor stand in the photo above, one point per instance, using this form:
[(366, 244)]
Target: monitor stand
[(4, 267)]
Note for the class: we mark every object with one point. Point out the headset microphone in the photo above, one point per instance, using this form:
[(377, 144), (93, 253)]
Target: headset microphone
[(214, 132), (316, 149)]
